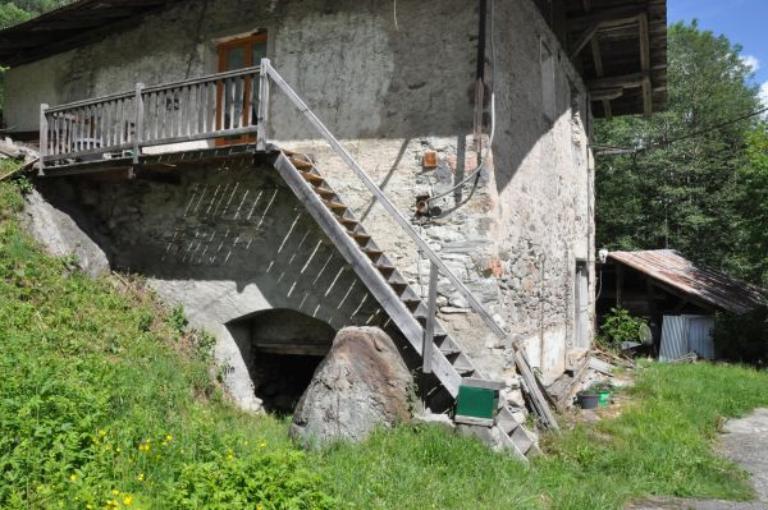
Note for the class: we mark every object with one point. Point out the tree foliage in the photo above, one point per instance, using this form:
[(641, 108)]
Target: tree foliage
[(17, 11), (696, 181)]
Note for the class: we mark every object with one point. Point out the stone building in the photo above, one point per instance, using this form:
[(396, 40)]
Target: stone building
[(473, 118)]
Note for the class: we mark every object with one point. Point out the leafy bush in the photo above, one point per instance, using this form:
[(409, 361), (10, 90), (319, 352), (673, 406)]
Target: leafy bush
[(619, 326), (273, 482), (177, 320), (743, 338)]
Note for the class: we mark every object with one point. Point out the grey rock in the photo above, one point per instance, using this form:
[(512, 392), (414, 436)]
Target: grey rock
[(61, 236), (362, 384), (442, 420)]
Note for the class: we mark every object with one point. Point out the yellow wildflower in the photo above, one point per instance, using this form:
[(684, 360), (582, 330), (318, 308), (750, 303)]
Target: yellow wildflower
[(115, 492), (128, 500), (102, 433), (73, 477), (263, 444), (140, 477), (144, 447)]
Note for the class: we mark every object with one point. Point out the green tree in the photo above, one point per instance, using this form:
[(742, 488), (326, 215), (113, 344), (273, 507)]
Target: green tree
[(682, 187), (17, 11), (750, 204)]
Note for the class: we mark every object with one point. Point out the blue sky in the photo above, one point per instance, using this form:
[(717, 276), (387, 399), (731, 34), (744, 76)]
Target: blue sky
[(742, 21)]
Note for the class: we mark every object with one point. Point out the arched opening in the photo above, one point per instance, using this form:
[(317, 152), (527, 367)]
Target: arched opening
[(281, 348)]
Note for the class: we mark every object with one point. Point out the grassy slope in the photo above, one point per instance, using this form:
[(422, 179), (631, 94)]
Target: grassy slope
[(104, 403)]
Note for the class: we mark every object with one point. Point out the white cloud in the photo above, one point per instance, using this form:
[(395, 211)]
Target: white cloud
[(752, 62)]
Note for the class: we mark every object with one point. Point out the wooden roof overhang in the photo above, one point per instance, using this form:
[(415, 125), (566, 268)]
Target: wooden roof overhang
[(620, 47), (68, 27)]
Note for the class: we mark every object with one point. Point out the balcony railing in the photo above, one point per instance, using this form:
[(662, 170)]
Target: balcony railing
[(227, 107)]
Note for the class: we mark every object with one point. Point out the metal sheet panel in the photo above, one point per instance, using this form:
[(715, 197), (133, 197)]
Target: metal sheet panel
[(674, 338), (700, 338)]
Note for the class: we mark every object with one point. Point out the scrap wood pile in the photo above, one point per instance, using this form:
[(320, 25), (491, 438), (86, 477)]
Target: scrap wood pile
[(27, 156), (595, 368)]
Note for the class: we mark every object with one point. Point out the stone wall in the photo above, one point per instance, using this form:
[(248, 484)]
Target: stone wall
[(392, 90), (225, 241)]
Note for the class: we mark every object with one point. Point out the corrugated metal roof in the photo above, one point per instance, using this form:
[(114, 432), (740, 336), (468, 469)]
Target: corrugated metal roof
[(702, 283)]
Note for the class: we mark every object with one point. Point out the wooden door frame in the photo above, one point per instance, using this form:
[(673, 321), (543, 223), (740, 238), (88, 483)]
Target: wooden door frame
[(222, 51)]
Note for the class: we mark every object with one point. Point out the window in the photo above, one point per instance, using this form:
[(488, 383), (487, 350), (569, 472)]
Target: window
[(547, 82), (236, 54)]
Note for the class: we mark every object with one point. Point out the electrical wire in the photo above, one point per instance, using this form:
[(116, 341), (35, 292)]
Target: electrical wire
[(489, 149), (616, 151)]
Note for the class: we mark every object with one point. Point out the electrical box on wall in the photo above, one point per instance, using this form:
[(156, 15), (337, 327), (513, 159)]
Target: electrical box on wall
[(429, 161)]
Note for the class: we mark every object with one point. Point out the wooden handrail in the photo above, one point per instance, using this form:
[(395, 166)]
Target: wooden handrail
[(209, 107)]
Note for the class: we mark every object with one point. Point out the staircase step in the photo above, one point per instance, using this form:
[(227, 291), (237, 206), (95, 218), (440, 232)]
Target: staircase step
[(335, 206), (374, 255), (312, 178), (325, 192), (450, 351), (506, 421), (349, 223), (362, 238), (301, 163), (522, 440)]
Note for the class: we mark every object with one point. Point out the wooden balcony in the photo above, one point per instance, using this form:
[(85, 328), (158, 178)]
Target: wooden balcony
[(223, 110)]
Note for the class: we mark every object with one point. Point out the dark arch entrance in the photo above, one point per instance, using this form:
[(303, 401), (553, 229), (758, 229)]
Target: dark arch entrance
[(281, 348)]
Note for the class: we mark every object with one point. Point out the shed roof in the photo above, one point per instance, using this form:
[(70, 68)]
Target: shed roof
[(701, 283)]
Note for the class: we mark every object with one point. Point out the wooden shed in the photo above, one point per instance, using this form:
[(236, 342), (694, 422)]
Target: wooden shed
[(658, 283)]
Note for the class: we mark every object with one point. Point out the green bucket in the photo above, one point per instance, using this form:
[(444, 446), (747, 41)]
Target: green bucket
[(604, 398)]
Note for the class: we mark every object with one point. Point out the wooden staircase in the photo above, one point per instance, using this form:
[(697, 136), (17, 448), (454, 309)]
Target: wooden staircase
[(403, 305)]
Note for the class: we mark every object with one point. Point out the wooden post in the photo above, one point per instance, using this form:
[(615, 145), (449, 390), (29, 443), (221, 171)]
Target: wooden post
[(429, 330), (263, 111), (43, 141), (139, 128), (619, 284)]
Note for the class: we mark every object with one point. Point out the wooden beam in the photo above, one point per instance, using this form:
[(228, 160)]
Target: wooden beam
[(600, 72), (625, 81), (607, 94), (645, 64), (607, 17), (585, 38)]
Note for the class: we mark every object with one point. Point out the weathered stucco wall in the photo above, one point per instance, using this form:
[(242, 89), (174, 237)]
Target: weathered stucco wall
[(544, 177), (393, 91), (365, 76)]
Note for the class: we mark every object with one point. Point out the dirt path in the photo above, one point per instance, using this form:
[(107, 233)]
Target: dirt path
[(745, 442)]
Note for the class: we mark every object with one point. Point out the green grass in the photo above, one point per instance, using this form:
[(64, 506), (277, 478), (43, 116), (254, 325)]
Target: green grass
[(105, 403)]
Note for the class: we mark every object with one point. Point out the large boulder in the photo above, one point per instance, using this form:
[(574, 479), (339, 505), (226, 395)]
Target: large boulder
[(362, 383), (61, 236)]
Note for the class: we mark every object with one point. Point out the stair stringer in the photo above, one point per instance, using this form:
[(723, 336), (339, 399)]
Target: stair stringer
[(366, 271), (506, 433)]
